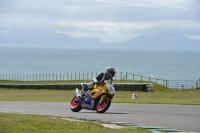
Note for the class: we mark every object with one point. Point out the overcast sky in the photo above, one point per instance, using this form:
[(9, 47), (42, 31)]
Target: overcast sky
[(107, 20)]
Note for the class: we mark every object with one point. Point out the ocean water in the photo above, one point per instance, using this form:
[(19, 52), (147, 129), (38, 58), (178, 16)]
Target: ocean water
[(154, 63)]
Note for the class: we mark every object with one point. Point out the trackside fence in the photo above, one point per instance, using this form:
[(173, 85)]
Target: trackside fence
[(176, 84)]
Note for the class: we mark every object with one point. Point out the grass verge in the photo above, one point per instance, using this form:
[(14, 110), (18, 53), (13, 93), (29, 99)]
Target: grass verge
[(182, 97), (27, 123), (160, 95)]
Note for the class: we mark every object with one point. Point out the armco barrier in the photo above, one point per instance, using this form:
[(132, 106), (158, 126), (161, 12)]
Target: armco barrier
[(118, 87)]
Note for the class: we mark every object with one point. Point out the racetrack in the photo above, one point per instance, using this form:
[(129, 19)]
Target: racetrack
[(183, 117)]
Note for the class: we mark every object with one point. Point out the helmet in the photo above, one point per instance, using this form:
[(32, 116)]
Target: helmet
[(111, 70)]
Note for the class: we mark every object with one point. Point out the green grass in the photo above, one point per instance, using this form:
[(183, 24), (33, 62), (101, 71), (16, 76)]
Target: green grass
[(26, 123), (160, 95), (184, 97), (18, 123)]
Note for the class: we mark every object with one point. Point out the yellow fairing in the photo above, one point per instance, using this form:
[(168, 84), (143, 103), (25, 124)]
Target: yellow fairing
[(99, 90)]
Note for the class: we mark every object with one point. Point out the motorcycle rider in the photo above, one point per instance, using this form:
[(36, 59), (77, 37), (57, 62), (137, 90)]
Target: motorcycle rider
[(109, 74)]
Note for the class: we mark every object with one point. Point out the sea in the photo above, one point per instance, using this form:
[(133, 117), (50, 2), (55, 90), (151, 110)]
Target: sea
[(154, 63)]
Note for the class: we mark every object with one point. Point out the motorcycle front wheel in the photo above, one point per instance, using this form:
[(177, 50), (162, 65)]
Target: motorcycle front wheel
[(75, 104), (103, 107)]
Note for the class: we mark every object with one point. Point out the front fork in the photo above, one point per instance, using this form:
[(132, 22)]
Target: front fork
[(102, 98)]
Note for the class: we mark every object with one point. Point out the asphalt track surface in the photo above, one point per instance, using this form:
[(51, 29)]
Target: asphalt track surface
[(182, 117)]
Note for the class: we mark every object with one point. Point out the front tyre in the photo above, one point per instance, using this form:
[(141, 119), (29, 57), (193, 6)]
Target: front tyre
[(103, 107), (75, 104)]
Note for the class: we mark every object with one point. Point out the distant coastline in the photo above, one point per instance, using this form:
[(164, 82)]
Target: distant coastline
[(47, 38)]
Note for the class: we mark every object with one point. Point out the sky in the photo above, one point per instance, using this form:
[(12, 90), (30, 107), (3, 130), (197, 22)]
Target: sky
[(107, 20)]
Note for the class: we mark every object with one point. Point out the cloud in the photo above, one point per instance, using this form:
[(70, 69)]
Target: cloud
[(112, 20)]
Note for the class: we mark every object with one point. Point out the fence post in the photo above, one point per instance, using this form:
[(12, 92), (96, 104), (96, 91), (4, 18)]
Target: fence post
[(182, 86), (121, 76), (141, 77), (199, 84), (87, 75), (75, 76)]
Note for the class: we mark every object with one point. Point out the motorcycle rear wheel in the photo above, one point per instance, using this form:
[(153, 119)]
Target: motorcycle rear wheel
[(75, 104), (103, 107)]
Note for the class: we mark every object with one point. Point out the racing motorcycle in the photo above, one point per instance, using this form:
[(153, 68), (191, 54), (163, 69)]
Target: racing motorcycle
[(98, 98)]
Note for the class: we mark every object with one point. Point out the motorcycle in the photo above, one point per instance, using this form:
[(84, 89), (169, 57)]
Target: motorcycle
[(98, 98)]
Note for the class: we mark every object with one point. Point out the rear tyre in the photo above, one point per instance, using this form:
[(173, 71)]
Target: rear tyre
[(75, 104), (103, 107)]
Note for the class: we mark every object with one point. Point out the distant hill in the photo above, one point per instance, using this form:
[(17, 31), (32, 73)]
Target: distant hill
[(161, 41), (45, 38)]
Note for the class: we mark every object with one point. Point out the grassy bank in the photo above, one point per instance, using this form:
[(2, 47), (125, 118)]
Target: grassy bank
[(11, 122), (160, 95), (187, 97), (26, 123)]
